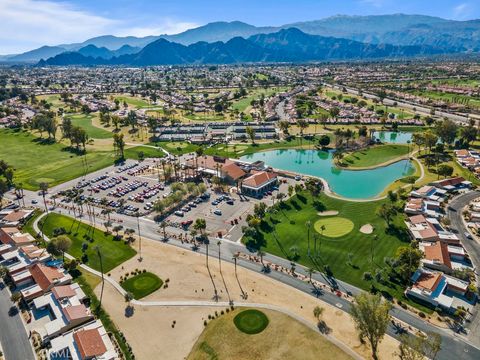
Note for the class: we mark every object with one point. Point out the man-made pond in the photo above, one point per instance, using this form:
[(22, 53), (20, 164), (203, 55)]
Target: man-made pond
[(354, 184), (393, 137)]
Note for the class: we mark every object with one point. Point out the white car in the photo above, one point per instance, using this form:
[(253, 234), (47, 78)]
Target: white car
[(217, 212)]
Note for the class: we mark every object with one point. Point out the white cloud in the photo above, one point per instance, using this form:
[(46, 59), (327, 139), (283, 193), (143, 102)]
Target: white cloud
[(27, 23), (462, 11)]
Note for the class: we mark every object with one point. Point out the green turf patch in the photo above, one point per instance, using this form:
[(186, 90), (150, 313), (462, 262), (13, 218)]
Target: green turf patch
[(148, 152), (85, 122), (375, 155), (36, 160), (334, 226), (142, 284), (251, 321), (113, 252)]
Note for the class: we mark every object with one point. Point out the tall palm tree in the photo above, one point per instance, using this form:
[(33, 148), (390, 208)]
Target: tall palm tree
[(261, 254), (215, 295), (103, 279), (163, 225), (308, 224), (235, 258), (219, 243), (137, 215), (44, 188)]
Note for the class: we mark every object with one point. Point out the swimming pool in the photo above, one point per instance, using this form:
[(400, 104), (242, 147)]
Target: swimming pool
[(354, 184)]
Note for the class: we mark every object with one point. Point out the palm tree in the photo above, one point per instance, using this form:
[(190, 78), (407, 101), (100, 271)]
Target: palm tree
[(308, 224), (261, 254), (311, 271), (220, 268), (235, 258), (137, 215), (101, 272), (163, 225), (44, 188), (215, 295)]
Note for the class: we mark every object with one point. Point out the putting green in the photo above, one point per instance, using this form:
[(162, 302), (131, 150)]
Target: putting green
[(142, 285), (334, 226), (251, 321)]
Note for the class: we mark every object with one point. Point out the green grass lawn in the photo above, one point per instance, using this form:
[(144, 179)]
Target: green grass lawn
[(36, 160), (448, 97), (205, 117), (133, 101), (375, 155), (142, 285), (251, 321), (113, 252), (284, 233), (334, 226), (242, 104), (85, 122), (148, 152)]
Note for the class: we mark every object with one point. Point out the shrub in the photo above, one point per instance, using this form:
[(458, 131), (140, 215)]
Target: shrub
[(422, 314)]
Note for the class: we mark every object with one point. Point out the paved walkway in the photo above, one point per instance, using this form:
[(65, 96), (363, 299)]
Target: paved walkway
[(122, 292)]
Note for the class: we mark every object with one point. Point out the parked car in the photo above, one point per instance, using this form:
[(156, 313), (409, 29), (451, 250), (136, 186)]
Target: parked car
[(468, 235), (217, 212), (179, 213)]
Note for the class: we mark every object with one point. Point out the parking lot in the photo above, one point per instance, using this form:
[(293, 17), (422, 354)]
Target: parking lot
[(134, 187), (128, 189)]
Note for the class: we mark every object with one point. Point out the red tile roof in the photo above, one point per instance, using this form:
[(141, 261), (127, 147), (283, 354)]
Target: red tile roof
[(233, 171), (428, 281), (64, 291), (45, 276), (258, 179), (89, 343), (439, 253), (75, 312)]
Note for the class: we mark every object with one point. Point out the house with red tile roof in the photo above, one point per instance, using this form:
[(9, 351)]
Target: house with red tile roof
[(65, 308), (13, 236), (439, 290), (17, 260), (40, 279), (91, 341), (12, 218), (259, 183)]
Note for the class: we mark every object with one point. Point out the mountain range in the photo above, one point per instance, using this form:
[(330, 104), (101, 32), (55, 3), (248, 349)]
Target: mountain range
[(286, 45), (447, 36)]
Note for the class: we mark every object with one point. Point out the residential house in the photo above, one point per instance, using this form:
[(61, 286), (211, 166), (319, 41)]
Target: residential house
[(90, 341), (40, 279), (65, 308)]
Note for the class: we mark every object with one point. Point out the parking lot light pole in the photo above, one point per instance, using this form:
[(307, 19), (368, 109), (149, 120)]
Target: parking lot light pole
[(137, 214)]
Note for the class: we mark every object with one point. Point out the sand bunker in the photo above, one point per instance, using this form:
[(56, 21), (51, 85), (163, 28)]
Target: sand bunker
[(366, 229), (328, 213)]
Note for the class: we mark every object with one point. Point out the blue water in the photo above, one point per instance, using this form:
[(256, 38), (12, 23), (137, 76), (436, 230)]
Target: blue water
[(54, 263), (393, 137), (353, 184)]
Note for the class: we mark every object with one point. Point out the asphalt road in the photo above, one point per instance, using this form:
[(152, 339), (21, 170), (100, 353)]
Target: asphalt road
[(422, 109), (454, 346), (457, 225), (13, 336)]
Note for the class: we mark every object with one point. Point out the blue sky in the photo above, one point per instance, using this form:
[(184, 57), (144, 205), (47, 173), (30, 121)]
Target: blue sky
[(26, 24)]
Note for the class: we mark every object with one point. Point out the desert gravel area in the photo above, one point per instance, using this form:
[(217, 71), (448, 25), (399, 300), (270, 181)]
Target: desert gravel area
[(149, 330)]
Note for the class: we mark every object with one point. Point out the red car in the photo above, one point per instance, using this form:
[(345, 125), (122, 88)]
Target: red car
[(187, 223)]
